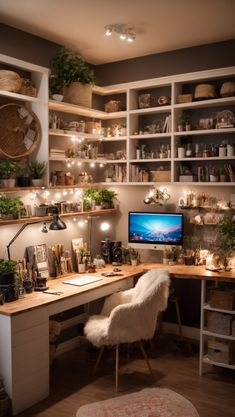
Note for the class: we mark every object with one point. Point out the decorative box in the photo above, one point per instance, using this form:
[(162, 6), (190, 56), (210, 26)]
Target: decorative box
[(222, 299), (184, 98), (221, 351), (219, 323), (161, 176)]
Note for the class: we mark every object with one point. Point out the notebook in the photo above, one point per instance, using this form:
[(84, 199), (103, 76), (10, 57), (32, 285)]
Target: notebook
[(83, 280)]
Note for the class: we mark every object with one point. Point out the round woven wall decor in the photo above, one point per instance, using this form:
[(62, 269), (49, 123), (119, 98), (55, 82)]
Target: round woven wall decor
[(20, 131)]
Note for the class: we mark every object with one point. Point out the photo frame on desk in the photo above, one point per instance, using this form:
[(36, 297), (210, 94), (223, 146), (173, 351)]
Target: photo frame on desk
[(38, 259)]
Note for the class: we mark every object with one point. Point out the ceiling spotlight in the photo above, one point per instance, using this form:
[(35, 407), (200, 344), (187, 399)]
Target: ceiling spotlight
[(108, 30), (122, 36), (130, 37), (122, 30)]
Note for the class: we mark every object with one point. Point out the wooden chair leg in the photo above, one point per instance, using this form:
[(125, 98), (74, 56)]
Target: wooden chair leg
[(145, 357), (116, 367), (98, 360)]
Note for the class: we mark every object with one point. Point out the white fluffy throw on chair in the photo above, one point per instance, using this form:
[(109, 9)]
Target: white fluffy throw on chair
[(131, 315)]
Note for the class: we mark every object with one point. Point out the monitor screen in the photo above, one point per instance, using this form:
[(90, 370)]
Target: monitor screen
[(155, 230)]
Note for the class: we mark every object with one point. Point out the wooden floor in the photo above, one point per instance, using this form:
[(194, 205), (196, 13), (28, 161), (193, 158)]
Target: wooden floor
[(175, 367)]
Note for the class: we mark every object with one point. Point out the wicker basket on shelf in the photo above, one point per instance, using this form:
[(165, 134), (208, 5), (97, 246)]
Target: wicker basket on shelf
[(113, 106), (10, 81), (28, 88), (20, 131)]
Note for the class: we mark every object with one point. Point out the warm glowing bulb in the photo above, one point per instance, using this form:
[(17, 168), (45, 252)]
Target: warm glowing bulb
[(104, 226)]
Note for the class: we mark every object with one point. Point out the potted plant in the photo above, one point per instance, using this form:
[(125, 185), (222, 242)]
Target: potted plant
[(82, 253), (108, 175), (180, 149), (107, 197), (10, 208), (89, 198), (134, 256), (8, 169), (184, 122), (23, 179), (7, 271), (71, 73), (225, 242), (37, 170)]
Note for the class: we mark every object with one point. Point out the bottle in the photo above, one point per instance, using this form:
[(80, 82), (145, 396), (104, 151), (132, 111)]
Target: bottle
[(189, 151), (137, 153)]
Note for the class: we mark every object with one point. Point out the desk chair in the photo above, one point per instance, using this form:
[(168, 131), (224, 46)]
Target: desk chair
[(130, 316)]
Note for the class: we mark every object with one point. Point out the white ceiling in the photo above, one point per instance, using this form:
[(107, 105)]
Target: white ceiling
[(160, 25)]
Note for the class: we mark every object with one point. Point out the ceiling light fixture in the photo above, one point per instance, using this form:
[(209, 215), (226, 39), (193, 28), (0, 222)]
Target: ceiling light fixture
[(125, 33)]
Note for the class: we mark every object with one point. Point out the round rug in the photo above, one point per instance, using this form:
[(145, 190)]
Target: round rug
[(149, 402)]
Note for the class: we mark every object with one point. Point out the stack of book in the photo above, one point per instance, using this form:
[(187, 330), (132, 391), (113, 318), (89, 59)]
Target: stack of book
[(57, 153)]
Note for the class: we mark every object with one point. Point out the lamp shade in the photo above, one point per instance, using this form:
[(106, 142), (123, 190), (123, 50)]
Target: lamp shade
[(57, 223)]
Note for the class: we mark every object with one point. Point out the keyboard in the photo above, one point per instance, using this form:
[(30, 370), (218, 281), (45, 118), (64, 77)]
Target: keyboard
[(82, 280)]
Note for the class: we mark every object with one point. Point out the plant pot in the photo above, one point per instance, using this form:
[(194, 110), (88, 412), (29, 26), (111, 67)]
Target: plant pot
[(77, 93), (187, 128), (57, 97), (7, 279), (213, 178), (181, 153), (81, 268), (134, 262), (9, 183), (98, 207), (108, 179), (165, 261), (23, 181), (37, 182), (180, 128)]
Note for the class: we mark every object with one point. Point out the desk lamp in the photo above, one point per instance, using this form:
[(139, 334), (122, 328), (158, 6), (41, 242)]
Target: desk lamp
[(56, 224)]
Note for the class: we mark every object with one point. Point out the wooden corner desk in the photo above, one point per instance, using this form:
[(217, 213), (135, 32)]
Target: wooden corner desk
[(24, 326)]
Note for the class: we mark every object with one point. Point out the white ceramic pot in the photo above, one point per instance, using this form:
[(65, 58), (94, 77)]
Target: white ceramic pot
[(8, 183), (37, 182), (134, 262), (181, 153)]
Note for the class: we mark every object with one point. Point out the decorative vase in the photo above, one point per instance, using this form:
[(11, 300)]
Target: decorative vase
[(77, 93)]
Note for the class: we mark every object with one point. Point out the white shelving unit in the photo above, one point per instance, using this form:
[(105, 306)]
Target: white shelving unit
[(205, 333), (135, 119)]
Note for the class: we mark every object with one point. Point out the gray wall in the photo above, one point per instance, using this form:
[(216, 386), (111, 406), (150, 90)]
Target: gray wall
[(216, 55)]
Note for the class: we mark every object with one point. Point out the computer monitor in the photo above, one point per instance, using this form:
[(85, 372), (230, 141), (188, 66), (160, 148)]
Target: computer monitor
[(149, 230)]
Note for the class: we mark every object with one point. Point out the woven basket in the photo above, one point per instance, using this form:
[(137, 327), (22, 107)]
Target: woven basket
[(28, 88), (112, 106), (10, 81), (20, 131)]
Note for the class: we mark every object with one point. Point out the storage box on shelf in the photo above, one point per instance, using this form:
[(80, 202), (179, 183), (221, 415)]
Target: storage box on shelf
[(221, 351), (217, 334)]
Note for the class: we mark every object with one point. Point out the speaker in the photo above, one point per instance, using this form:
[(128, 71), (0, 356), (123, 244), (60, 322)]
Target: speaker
[(106, 250), (116, 253)]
